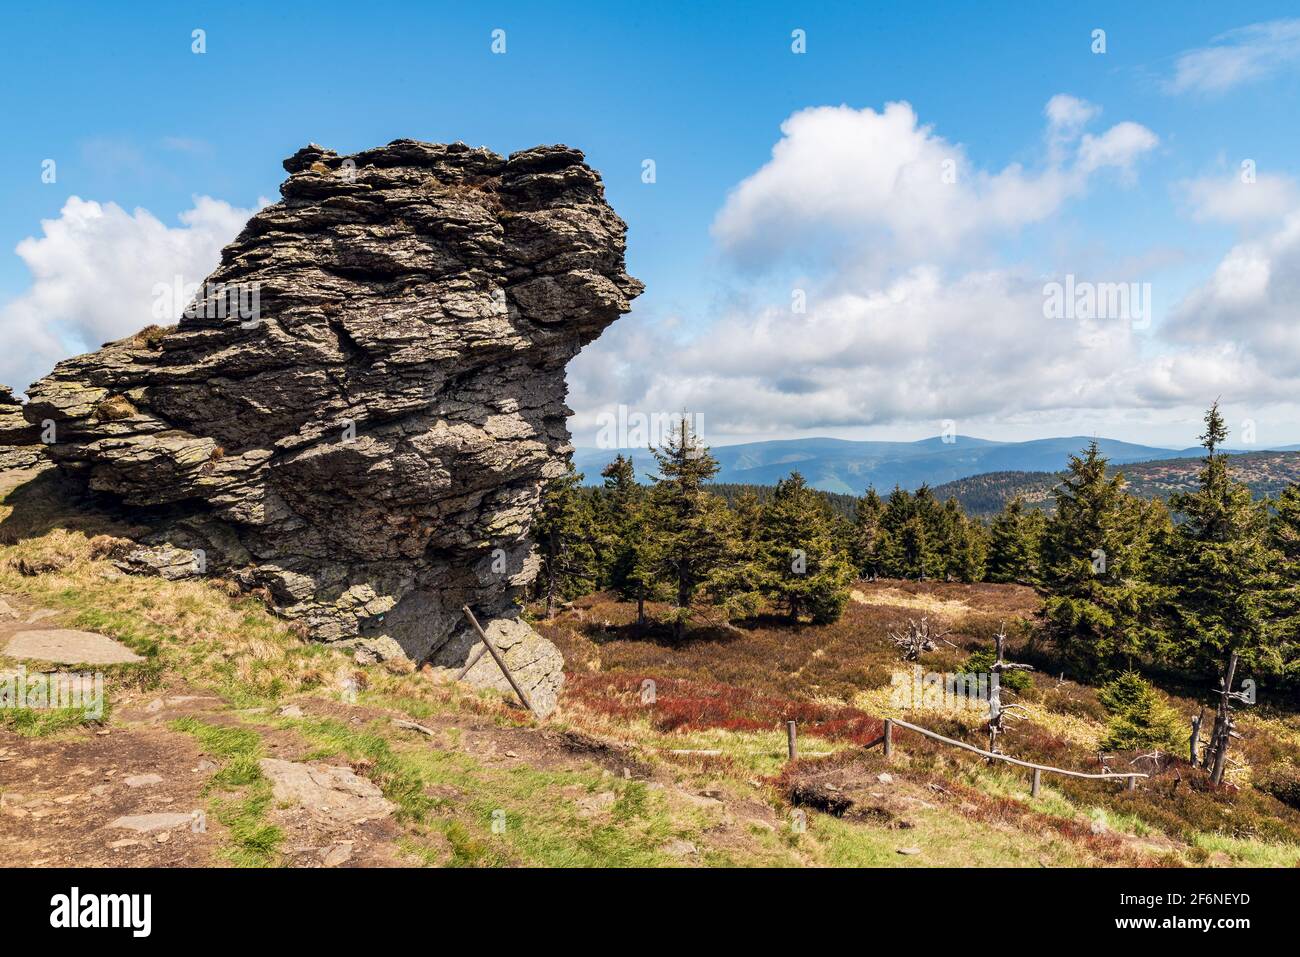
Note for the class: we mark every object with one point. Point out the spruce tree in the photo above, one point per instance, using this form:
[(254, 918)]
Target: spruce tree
[(1013, 546), (617, 533), (897, 514), (1098, 602), (1140, 716), (930, 562), (914, 555), (1224, 573), (802, 567), (971, 543), (562, 530), (690, 526), (868, 535), (1284, 536), (631, 552), (736, 584)]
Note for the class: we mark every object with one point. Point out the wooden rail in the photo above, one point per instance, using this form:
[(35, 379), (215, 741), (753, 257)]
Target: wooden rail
[(1129, 777)]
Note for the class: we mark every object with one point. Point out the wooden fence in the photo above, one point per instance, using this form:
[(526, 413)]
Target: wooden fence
[(888, 741)]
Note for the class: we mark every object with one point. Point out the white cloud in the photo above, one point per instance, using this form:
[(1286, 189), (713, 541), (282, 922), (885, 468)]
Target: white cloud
[(919, 349), (1239, 56), (882, 180), (1230, 200), (928, 340), (1118, 147), (1249, 306), (1069, 112), (93, 272)]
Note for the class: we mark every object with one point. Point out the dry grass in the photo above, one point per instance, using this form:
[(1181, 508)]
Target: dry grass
[(150, 337)]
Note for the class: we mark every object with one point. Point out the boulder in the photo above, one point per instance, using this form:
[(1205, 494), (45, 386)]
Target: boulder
[(356, 413), (335, 795), (536, 664)]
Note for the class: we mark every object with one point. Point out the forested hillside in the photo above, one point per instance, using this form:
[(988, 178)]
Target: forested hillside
[(1127, 578), (1266, 474)]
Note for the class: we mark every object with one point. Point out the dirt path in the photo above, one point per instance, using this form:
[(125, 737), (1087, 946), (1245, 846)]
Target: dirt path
[(61, 796)]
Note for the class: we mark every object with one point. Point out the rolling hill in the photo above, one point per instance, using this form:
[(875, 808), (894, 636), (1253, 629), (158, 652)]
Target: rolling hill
[(848, 467), (1266, 474)]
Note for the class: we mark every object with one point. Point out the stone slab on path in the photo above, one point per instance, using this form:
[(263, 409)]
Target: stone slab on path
[(66, 646), (334, 794), (148, 823)]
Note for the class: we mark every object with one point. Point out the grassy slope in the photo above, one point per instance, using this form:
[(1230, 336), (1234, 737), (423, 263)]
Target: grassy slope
[(625, 799)]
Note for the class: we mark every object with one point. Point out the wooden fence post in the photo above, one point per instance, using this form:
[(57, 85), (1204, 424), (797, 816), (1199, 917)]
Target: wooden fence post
[(889, 739), (1132, 783), (1033, 788), (501, 662), (790, 740)]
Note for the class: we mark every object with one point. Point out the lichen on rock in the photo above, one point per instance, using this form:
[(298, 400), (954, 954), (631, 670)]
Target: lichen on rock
[(368, 442)]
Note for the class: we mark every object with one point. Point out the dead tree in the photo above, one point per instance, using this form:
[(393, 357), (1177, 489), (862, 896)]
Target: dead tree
[(1194, 741), (917, 638), (1216, 750), (998, 712), (1156, 757)]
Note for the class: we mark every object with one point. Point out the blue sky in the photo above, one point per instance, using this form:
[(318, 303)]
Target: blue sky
[(132, 117)]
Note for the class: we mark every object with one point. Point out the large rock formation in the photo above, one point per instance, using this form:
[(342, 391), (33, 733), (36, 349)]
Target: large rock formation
[(359, 409)]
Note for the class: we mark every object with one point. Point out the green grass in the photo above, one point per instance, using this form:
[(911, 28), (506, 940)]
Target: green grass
[(40, 722), (945, 839), (543, 824), (252, 842), (1250, 852), (43, 722)]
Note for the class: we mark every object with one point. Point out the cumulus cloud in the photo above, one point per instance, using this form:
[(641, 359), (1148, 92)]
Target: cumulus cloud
[(94, 269), (890, 182), (929, 339), (921, 348), (1118, 147), (1237, 57), (1248, 305), (1237, 202)]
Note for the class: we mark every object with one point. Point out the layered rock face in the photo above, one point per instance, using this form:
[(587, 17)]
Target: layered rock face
[(20, 443), (359, 409)]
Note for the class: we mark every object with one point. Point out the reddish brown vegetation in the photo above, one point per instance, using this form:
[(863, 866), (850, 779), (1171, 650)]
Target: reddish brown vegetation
[(685, 705), (758, 674)]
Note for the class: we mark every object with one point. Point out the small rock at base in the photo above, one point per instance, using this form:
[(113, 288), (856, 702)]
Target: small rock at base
[(337, 854), (679, 848)]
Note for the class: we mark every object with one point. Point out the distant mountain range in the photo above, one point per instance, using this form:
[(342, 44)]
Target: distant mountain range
[(1266, 474), (848, 467)]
